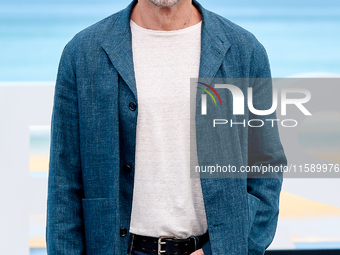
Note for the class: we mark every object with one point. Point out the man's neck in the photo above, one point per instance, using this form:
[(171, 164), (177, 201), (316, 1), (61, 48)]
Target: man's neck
[(181, 15)]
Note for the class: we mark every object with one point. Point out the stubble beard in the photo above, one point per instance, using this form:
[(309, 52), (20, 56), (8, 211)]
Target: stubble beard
[(164, 3)]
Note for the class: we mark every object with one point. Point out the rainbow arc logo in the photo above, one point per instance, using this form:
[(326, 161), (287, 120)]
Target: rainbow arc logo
[(204, 96), (209, 93)]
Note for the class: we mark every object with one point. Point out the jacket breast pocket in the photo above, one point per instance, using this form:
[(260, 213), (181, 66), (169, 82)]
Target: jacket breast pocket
[(253, 204), (99, 224)]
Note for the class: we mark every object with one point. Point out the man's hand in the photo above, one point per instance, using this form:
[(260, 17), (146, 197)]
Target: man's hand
[(198, 252)]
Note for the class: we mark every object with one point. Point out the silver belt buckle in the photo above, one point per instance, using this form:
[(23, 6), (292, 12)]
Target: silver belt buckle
[(195, 240), (160, 242)]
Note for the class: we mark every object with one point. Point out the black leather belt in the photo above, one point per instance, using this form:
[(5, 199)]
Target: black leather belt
[(167, 245)]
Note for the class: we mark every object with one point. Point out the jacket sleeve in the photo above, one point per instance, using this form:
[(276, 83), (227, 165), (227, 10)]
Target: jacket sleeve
[(64, 233), (264, 149)]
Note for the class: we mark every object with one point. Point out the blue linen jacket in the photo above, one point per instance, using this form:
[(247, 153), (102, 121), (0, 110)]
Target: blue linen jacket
[(93, 139)]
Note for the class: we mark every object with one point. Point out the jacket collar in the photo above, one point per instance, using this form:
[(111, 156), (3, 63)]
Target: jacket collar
[(214, 43), (118, 45)]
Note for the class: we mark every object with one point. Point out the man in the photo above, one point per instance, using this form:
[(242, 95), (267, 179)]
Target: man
[(119, 178)]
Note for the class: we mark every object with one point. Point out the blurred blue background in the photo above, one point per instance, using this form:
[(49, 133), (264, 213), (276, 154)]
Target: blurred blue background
[(300, 36)]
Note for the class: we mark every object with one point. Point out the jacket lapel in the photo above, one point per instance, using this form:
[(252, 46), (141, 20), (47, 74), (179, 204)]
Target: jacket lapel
[(214, 47), (214, 43), (118, 46)]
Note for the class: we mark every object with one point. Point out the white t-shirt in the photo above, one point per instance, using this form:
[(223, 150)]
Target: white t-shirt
[(166, 201)]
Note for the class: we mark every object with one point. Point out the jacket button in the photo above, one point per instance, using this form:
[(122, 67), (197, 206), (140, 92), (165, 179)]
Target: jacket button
[(123, 232), (133, 106), (127, 168)]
